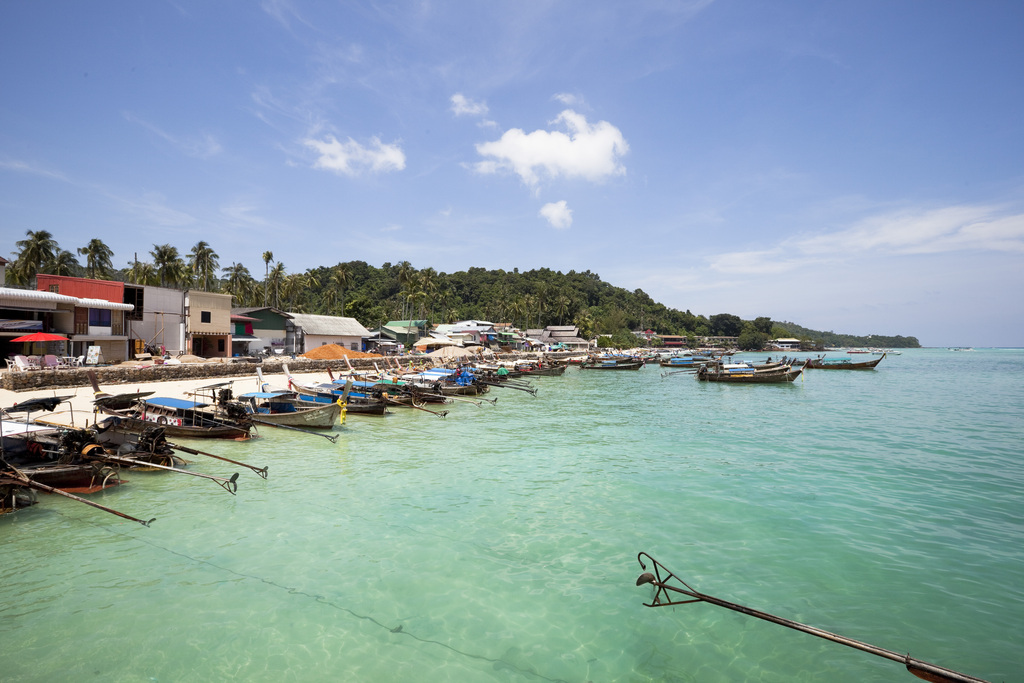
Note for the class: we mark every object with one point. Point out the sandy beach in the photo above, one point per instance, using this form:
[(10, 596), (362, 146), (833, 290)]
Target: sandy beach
[(77, 411)]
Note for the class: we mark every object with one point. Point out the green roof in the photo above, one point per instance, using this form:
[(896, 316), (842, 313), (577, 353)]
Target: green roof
[(406, 323)]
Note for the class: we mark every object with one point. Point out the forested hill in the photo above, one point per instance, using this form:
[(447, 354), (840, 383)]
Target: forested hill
[(836, 339), (529, 300)]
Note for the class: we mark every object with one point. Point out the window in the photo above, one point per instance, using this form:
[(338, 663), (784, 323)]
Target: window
[(220, 345), (204, 316), (99, 317), (134, 296), (54, 288)]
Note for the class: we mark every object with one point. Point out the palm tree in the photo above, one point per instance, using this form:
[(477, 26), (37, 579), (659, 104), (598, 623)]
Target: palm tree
[(516, 308), (291, 287), (275, 280), (340, 280), (97, 258), (62, 263), (204, 263), (268, 256), (405, 274), (562, 304), (142, 273), (236, 281), (35, 251), (165, 260), (429, 284)]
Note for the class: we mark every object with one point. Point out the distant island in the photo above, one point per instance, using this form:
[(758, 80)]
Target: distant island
[(531, 299)]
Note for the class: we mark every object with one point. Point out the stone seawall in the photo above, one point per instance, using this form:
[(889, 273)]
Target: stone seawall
[(129, 374)]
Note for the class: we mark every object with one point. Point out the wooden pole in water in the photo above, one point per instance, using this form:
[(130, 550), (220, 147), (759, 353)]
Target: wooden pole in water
[(919, 668)]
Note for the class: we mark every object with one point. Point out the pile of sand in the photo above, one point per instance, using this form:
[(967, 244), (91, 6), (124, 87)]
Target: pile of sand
[(335, 352)]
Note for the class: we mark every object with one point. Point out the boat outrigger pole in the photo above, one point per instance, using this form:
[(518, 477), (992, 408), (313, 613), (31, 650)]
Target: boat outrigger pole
[(17, 477), (663, 597)]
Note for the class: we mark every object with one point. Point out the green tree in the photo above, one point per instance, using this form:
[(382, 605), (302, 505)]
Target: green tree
[(63, 263), (726, 325), (339, 281), (97, 258), (34, 252), (142, 273), (236, 282), (268, 256), (752, 338), (204, 262), (275, 282), (167, 264)]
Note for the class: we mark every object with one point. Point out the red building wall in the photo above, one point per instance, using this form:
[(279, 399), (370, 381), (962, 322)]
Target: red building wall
[(84, 288)]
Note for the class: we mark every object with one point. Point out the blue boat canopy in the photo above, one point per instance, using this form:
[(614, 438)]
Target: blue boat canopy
[(176, 403), (264, 394)]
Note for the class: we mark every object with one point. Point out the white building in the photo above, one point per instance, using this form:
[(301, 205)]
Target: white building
[(312, 331)]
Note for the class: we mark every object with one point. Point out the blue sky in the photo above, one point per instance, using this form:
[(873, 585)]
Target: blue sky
[(856, 167)]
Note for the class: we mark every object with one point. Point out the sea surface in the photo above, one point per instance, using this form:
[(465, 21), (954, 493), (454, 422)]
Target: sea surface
[(500, 543)]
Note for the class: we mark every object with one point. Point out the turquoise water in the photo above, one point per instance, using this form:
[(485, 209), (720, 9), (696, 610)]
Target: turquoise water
[(500, 544)]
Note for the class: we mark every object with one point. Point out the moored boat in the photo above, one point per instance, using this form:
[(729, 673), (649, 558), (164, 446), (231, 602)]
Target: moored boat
[(284, 408), (749, 375), (823, 363)]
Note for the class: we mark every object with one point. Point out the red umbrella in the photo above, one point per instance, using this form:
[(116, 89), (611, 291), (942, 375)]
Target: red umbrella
[(39, 337)]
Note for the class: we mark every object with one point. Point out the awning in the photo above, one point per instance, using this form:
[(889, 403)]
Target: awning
[(102, 303), (20, 325), (244, 338)]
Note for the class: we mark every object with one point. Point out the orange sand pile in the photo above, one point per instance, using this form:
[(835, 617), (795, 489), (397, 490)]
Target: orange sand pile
[(335, 352)]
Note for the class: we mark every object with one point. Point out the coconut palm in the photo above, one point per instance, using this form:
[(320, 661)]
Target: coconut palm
[(291, 286), (34, 252), (166, 260), (405, 275), (62, 263), (204, 262), (236, 282), (340, 280), (142, 273), (562, 304), (275, 282), (97, 258), (268, 256)]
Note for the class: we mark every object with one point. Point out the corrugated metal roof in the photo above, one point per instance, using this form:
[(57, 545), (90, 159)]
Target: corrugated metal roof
[(33, 295), (100, 303), (329, 325)]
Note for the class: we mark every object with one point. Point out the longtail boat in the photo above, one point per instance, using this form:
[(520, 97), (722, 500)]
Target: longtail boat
[(612, 363), (284, 408), (823, 363), (180, 417), (748, 374)]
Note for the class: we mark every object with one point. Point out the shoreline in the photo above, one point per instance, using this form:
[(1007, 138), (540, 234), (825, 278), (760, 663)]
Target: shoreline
[(77, 410)]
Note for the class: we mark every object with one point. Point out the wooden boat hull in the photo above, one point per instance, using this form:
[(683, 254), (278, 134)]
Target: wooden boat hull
[(547, 371), (752, 377), (133, 425), (821, 364), (612, 366), (319, 416), (354, 406)]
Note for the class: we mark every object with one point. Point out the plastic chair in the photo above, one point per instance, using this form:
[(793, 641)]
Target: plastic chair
[(50, 362), (24, 364)]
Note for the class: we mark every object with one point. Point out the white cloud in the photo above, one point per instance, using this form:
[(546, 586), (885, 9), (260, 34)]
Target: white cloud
[(203, 146), (585, 151), (910, 231), (558, 214), (463, 106), (352, 158), (568, 99)]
